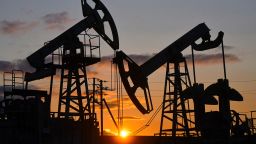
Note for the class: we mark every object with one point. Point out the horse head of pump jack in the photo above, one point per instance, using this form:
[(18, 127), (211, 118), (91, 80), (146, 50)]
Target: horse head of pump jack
[(103, 20)]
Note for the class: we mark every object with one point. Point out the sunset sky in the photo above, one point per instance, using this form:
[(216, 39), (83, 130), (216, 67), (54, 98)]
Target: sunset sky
[(145, 27)]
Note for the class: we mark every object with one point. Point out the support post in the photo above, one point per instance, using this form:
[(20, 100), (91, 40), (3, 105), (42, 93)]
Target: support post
[(101, 107)]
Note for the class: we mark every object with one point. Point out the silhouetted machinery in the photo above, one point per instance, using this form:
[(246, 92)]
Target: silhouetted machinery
[(176, 118), (26, 117), (138, 74), (75, 121)]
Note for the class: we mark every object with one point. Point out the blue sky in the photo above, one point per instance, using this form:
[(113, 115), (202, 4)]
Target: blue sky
[(144, 27)]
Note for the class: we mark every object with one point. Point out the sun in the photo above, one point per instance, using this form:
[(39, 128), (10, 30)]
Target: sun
[(124, 133)]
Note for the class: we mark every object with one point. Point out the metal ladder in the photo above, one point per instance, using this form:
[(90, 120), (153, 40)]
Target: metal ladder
[(12, 80)]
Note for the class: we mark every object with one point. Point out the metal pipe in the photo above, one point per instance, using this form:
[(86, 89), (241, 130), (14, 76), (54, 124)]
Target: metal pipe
[(101, 108), (224, 62), (193, 62)]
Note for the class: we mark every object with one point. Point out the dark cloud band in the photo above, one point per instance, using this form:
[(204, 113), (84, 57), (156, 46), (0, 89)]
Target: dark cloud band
[(56, 20), (13, 27)]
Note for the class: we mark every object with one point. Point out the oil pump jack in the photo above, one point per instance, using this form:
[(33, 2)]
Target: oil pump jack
[(76, 119), (136, 76), (178, 88), (74, 58)]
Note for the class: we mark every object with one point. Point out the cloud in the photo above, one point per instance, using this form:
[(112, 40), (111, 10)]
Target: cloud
[(140, 59), (52, 21), (31, 86), (228, 47), (204, 59), (23, 64), (14, 27), (200, 59), (20, 64), (56, 20), (6, 65), (91, 72)]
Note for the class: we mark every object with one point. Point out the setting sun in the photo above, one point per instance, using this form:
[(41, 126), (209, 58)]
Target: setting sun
[(124, 133)]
